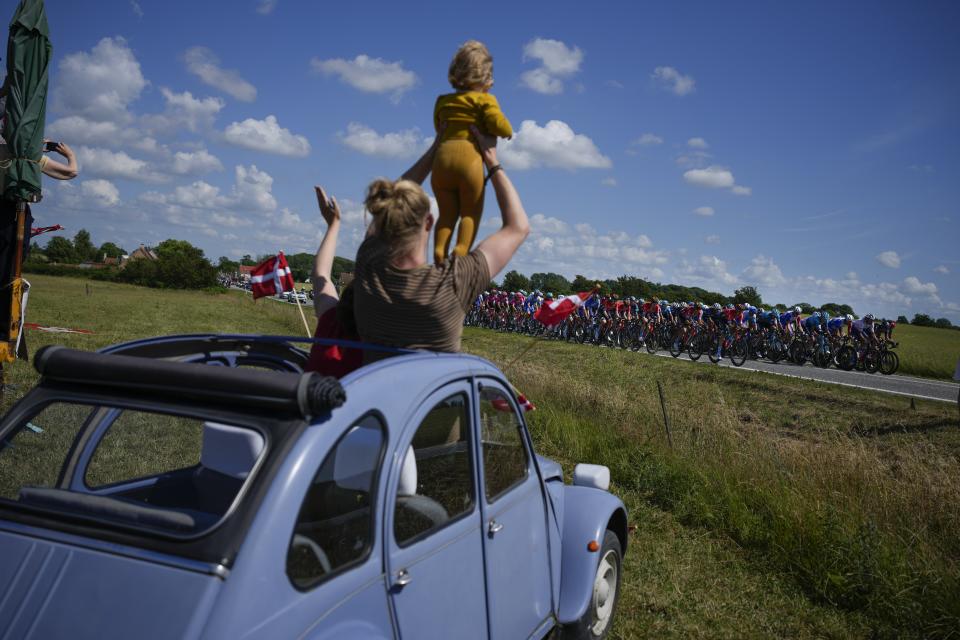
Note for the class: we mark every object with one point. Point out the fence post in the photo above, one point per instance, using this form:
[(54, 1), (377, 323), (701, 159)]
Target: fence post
[(666, 416)]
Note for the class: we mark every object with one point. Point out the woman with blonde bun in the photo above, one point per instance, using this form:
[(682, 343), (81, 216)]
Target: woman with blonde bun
[(401, 299), (457, 180)]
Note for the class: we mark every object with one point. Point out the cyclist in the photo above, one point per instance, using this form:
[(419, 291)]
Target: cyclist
[(835, 325), (811, 324), (790, 320), (862, 329)]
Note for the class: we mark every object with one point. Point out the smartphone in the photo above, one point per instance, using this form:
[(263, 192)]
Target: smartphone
[(51, 145)]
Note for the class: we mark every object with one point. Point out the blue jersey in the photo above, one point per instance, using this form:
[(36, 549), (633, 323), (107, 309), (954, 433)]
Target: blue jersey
[(768, 318), (836, 324), (592, 303), (787, 318), (811, 323)]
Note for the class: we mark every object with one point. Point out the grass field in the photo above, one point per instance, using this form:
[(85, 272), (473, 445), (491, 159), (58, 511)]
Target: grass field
[(786, 508), (927, 351)]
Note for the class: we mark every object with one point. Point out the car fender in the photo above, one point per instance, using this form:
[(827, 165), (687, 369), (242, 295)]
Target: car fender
[(587, 514)]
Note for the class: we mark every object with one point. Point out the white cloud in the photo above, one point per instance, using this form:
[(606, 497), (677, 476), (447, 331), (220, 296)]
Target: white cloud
[(102, 192), (136, 8), (546, 224), (557, 62), (268, 136), (554, 145), (715, 177), (80, 130), (671, 79), (648, 139), (266, 7), (707, 271), (609, 182), (195, 162), (913, 286), (942, 269), (253, 189), (889, 259), (100, 85), (371, 75), (712, 239), (183, 110), (697, 143), (704, 211), (764, 272), (103, 162), (204, 64), (399, 144)]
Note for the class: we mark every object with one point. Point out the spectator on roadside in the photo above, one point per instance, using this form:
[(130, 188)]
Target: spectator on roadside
[(403, 300), (50, 167), (334, 314)]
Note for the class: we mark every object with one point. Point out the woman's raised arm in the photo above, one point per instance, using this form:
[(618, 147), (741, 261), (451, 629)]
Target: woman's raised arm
[(324, 292)]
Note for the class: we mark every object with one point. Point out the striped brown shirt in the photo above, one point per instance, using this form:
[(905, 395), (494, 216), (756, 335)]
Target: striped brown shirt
[(421, 308)]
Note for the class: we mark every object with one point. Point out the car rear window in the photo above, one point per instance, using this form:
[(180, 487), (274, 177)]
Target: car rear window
[(173, 474)]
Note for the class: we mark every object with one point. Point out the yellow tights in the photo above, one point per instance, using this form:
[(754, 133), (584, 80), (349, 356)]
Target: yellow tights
[(457, 181)]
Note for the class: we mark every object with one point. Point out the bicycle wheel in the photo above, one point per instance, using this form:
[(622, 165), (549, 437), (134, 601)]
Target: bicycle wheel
[(739, 351), (697, 347), (847, 358), (676, 346), (889, 363), (871, 361), (713, 350)]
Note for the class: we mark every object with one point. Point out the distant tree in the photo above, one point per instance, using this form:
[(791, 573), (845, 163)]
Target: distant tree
[(943, 323), (902, 320), (248, 261), (180, 265), (301, 265), (339, 266), (922, 320), (83, 247), (60, 249), (582, 283), (109, 250), (835, 309), (550, 283), (516, 281), (805, 307), (226, 265), (748, 295)]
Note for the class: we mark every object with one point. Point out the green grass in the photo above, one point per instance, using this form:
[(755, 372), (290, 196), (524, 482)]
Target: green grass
[(927, 351), (849, 495), (787, 508)]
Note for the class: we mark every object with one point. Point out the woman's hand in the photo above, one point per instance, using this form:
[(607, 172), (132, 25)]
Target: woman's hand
[(329, 208), (488, 146)]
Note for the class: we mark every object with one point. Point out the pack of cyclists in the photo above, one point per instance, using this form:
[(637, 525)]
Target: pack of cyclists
[(737, 331)]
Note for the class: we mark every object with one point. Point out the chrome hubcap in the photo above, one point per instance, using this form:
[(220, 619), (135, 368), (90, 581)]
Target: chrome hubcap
[(604, 593)]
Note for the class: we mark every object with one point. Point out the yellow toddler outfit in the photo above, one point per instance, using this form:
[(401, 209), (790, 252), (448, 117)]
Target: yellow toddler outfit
[(457, 176)]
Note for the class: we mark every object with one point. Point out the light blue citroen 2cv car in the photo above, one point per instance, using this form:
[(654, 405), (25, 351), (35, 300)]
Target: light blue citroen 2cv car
[(205, 487)]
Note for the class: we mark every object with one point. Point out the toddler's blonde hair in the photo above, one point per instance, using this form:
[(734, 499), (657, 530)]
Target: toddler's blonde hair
[(471, 67)]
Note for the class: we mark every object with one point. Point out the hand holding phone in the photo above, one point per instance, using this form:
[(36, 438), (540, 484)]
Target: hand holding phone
[(50, 145)]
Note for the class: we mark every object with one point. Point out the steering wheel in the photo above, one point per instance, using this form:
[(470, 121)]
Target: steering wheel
[(300, 540)]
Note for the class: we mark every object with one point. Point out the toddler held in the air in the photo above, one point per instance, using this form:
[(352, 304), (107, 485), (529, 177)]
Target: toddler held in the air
[(457, 176)]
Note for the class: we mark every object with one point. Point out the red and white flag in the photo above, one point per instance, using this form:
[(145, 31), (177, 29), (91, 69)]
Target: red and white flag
[(553, 313), (271, 276)]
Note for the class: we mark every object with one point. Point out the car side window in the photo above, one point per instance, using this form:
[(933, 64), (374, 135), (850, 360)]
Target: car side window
[(335, 527), (505, 461), (436, 475)]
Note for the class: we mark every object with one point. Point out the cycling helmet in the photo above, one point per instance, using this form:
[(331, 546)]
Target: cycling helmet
[(796, 309), (868, 317), (716, 305), (549, 295), (815, 314), (849, 318)]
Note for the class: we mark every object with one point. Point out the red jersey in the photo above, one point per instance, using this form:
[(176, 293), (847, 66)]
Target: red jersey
[(330, 359)]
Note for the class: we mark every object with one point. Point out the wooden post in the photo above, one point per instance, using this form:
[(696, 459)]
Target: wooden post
[(666, 416)]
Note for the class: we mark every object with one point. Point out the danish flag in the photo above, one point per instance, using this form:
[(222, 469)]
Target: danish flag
[(553, 313), (271, 276)]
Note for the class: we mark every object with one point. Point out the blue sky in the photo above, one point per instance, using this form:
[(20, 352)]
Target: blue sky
[(807, 149)]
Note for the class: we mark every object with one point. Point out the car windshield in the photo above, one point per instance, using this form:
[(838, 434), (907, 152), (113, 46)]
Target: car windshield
[(173, 474)]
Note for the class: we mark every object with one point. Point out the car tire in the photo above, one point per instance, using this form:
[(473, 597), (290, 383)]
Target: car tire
[(597, 622)]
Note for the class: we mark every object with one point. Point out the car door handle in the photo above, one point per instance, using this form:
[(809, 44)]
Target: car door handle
[(402, 578), (494, 527)]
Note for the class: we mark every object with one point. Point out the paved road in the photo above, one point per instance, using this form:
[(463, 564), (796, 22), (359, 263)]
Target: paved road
[(923, 388)]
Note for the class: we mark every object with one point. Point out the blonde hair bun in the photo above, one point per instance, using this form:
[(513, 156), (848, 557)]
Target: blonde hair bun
[(398, 210)]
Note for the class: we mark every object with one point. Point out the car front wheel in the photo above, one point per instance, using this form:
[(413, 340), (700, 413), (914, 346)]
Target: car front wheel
[(598, 619)]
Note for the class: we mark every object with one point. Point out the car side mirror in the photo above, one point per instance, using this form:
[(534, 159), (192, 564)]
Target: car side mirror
[(592, 475)]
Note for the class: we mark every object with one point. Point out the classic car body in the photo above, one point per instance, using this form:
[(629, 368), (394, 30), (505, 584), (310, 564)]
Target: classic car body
[(143, 495)]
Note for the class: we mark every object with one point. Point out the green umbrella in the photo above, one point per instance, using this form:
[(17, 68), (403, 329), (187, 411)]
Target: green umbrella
[(28, 66)]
